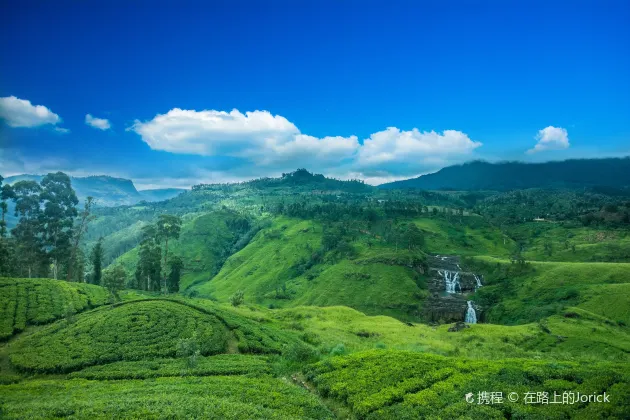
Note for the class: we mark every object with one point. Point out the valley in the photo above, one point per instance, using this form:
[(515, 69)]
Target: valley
[(309, 297)]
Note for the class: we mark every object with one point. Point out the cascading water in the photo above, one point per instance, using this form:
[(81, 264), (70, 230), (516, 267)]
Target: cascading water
[(451, 280), (478, 280), (471, 315)]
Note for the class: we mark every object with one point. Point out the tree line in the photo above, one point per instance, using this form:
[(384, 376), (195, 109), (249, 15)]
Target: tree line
[(46, 240)]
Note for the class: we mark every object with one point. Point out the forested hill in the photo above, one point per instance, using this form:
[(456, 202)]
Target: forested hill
[(107, 190), (479, 175)]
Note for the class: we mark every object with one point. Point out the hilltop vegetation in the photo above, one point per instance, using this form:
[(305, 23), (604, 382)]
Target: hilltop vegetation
[(36, 301)]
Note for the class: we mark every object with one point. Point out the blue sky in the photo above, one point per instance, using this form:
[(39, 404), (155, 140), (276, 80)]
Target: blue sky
[(186, 92)]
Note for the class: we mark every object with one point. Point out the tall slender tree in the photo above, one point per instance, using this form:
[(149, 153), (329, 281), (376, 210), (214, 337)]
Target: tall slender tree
[(79, 230), (29, 244), (174, 277), (96, 258), (168, 227), (59, 202)]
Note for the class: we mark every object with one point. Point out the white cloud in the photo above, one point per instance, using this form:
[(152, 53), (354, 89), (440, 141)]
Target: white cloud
[(62, 130), (100, 123), (271, 143), (215, 133), (21, 113), (551, 138)]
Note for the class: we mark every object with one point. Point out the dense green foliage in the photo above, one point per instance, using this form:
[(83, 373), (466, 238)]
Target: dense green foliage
[(222, 364), (394, 384), (214, 397), (136, 330), (38, 301)]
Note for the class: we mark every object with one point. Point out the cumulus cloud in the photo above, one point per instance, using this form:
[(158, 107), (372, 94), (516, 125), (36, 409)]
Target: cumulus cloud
[(551, 138), (99, 123), (393, 150), (272, 143), (212, 132), (21, 113)]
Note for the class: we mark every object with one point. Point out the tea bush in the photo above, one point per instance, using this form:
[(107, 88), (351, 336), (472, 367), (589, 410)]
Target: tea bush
[(39, 301), (212, 397), (135, 330), (222, 364), (398, 384)]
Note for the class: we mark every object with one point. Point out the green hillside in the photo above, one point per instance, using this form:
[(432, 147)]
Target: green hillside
[(517, 294), (38, 301), (394, 384)]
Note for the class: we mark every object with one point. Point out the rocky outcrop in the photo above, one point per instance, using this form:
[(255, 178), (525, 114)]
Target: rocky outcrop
[(450, 286)]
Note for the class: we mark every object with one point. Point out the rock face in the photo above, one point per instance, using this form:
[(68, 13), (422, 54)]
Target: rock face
[(450, 285), (458, 326)]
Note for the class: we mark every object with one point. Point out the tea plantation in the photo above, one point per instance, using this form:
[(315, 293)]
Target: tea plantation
[(397, 384), (37, 301), (214, 397), (130, 331)]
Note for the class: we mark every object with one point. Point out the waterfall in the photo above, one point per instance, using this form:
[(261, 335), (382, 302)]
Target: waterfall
[(471, 315), (451, 280), (478, 280)]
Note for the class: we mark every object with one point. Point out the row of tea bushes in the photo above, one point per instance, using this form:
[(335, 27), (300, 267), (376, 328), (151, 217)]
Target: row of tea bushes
[(134, 330), (39, 301), (211, 397), (222, 364), (399, 384)]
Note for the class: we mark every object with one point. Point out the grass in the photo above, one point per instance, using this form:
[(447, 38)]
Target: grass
[(572, 243), (38, 301), (517, 294), (585, 338), (468, 235), (213, 397), (393, 384)]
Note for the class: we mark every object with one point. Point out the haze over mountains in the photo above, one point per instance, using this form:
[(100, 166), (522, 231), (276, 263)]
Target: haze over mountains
[(108, 191), (479, 175)]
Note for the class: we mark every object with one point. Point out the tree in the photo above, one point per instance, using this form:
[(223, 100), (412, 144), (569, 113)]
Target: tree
[(97, 262), (148, 268), (414, 238), (114, 279), (29, 244), (79, 230), (59, 202), (6, 193), (174, 276), (7, 246), (237, 298), (168, 227)]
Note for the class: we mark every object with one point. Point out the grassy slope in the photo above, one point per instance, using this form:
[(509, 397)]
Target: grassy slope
[(546, 288), (265, 265), (470, 236), (202, 244), (591, 244), (587, 337)]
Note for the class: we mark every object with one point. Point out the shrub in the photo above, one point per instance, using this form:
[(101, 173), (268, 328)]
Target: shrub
[(237, 298)]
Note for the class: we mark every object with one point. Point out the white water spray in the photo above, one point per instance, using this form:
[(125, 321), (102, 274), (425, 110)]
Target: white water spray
[(478, 280), (451, 280), (471, 315)]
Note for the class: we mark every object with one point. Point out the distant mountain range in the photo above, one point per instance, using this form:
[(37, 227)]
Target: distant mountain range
[(108, 191), (478, 175)]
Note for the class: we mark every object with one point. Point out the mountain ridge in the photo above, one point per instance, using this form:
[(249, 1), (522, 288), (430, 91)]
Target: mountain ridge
[(501, 176)]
